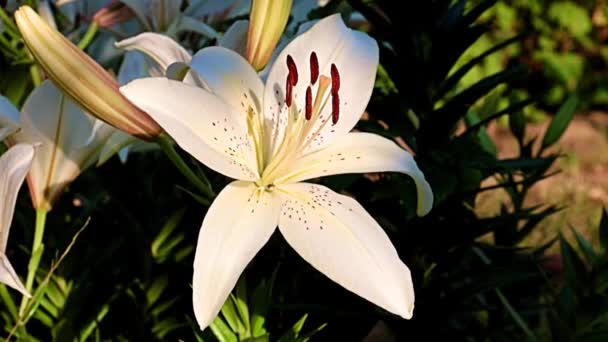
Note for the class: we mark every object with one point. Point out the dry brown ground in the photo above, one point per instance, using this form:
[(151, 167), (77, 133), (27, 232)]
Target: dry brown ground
[(582, 185)]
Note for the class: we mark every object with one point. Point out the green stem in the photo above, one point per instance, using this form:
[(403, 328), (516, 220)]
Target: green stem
[(88, 36), (37, 248), (167, 146), (35, 74)]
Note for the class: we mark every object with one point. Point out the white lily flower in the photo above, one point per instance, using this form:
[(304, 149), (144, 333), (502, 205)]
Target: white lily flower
[(69, 140), (14, 165), (273, 137)]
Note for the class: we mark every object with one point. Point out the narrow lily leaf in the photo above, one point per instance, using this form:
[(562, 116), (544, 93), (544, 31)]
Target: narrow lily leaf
[(293, 333), (221, 331), (231, 315), (165, 232), (240, 300), (560, 122), (573, 265), (585, 246)]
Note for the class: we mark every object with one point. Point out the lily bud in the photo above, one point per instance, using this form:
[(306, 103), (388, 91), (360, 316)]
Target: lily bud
[(113, 13), (81, 78), (267, 21)]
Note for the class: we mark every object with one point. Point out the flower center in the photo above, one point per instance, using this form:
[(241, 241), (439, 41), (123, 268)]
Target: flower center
[(302, 130)]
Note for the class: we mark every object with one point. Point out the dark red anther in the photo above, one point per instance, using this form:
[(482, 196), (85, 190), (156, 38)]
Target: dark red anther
[(308, 103), (335, 108), (288, 90), (293, 71), (314, 68), (335, 79)]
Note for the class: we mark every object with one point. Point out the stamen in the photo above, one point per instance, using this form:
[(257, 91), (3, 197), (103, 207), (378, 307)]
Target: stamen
[(308, 103), (293, 70), (335, 79), (335, 107), (314, 68), (288, 89)]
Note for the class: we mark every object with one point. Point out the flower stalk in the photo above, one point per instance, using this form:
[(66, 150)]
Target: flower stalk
[(36, 256), (203, 185)]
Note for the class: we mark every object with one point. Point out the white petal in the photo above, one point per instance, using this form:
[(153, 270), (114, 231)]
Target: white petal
[(162, 49), (235, 37), (355, 55), (9, 277), (9, 118), (229, 76), (14, 165), (64, 132), (360, 153), (340, 239), (239, 222), (201, 123)]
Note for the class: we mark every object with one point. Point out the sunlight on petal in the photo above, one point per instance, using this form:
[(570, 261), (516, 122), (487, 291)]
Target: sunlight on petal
[(160, 48), (339, 238), (360, 153), (239, 222), (201, 123)]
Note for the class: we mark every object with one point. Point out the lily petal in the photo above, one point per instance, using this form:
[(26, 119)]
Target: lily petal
[(355, 55), (239, 222), (339, 238), (235, 37), (9, 277), (201, 123), (14, 165), (359, 153), (64, 132), (9, 118), (162, 49), (231, 77)]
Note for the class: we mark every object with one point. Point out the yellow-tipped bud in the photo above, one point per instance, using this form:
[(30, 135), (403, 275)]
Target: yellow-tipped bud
[(81, 78), (267, 21)]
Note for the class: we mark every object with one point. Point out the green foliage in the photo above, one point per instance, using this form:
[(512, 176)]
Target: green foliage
[(579, 304)]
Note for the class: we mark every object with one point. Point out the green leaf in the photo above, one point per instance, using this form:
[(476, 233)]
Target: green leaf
[(517, 121), (221, 331), (231, 315), (573, 265), (560, 122), (166, 231), (585, 247), (240, 300), (260, 304), (293, 333), (156, 289)]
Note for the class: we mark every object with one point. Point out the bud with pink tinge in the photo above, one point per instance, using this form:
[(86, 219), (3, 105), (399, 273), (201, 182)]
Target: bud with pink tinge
[(81, 78)]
